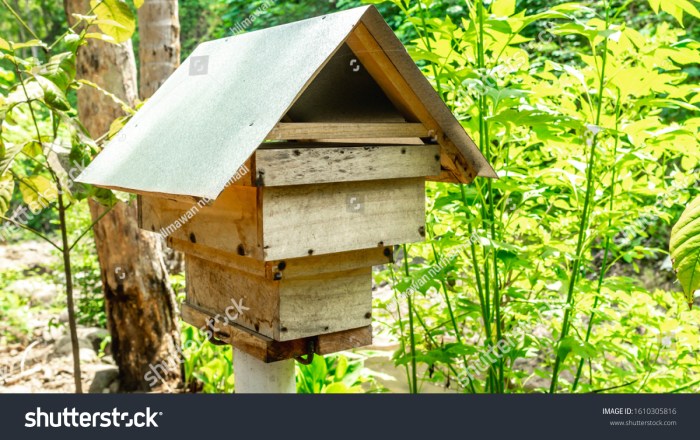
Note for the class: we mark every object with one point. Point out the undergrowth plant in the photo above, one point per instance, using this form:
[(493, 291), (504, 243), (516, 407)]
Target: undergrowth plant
[(538, 282), (43, 144)]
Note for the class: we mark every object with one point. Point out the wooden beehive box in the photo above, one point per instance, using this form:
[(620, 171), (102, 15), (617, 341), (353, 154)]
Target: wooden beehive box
[(285, 169)]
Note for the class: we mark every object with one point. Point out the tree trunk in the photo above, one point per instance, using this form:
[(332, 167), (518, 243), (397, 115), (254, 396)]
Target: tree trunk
[(159, 45), (159, 56), (139, 302)]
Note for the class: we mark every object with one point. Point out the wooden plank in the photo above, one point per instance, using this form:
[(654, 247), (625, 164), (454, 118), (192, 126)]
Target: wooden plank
[(255, 344), (269, 350), (340, 130), (380, 67), (229, 224), (170, 197), (311, 165), (336, 217), (335, 342), (291, 268), (228, 259), (317, 265), (237, 296), (319, 305), (373, 141), (245, 176)]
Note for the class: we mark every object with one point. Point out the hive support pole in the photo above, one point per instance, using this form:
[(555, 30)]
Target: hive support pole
[(255, 376)]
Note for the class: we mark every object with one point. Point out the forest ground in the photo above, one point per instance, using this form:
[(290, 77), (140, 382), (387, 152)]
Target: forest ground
[(40, 360)]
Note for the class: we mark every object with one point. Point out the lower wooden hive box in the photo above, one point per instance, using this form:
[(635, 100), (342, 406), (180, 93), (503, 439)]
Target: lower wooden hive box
[(280, 309)]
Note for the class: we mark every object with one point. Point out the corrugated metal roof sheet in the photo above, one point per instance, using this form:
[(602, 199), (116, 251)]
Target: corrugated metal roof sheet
[(205, 121)]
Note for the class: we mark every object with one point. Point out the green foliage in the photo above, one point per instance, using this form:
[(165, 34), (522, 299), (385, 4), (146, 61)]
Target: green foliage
[(43, 144), (685, 249), (38, 121), (90, 302), (206, 365), (589, 114), (203, 20), (596, 150), (333, 374), (14, 310), (209, 369), (114, 18)]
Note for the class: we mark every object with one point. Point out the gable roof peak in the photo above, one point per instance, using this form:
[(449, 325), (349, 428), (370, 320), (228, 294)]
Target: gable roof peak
[(214, 111)]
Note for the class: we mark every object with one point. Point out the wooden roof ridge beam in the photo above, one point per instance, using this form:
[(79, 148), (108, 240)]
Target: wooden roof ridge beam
[(347, 130)]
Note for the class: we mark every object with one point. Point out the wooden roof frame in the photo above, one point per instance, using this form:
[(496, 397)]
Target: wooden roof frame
[(415, 97)]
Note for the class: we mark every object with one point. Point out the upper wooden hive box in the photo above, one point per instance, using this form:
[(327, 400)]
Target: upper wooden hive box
[(285, 163)]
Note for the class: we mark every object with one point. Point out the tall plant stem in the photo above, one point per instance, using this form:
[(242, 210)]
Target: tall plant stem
[(19, 19), (583, 226), (489, 213), (65, 248), (69, 290), (400, 319), (604, 265), (33, 231), (437, 257), (412, 333), (432, 340)]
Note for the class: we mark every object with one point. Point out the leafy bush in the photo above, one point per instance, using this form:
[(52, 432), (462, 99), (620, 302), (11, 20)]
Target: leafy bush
[(593, 168)]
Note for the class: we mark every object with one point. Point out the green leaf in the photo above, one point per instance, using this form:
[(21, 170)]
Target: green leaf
[(37, 192), (138, 3), (60, 69), (30, 43), (7, 187), (101, 37), (32, 148), (53, 95), (342, 368), (677, 7), (340, 388), (18, 94), (8, 152), (503, 8), (685, 249), (572, 7), (566, 346), (121, 24), (671, 103)]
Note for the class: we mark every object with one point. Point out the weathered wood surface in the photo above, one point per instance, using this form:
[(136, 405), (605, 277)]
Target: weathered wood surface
[(340, 130), (318, 265), (228, 259), (304, 165), (251, 301), (229, 224), (328, 218), (290, 268), (335, 342), (282, 309), (325, 303), (269, 350)]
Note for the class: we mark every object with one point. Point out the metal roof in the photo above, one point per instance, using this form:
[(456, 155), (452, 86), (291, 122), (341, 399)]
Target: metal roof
[(214, 111)]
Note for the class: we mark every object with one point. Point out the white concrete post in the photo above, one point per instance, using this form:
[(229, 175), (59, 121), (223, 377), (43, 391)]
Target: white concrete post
[(255, 376)]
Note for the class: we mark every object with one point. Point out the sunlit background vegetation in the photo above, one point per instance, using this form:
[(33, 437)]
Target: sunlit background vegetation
[(588, 112)]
